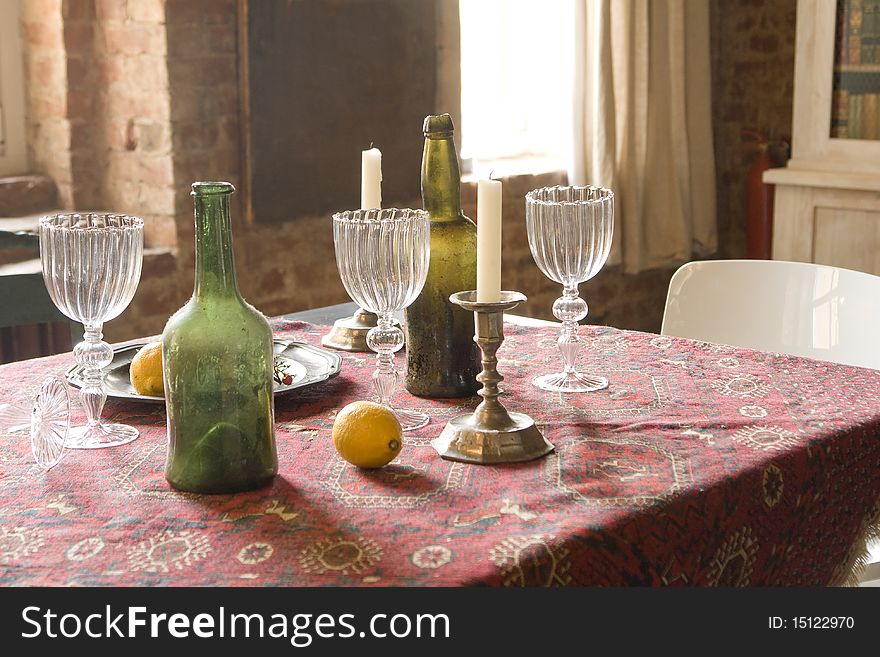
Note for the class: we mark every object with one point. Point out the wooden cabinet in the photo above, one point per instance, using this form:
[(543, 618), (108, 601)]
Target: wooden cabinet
[(827, 199)]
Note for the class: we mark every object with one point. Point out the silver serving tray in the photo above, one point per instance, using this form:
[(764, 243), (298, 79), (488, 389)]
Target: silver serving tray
[(306, 364)]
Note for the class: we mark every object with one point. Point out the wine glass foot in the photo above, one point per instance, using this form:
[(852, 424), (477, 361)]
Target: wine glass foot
[(50, 422), (17, 428), (570, 382), (100, 435), (411, 420)]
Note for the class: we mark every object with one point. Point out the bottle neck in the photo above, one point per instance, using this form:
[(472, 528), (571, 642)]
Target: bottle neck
[(441, 179), (215, 266)]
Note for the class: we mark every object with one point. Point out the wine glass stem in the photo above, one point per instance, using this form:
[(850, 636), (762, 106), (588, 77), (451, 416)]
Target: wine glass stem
[(93, 354), (385, 376), (569, 344), (569, 309)]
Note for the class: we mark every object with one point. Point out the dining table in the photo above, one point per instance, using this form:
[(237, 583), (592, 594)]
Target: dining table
[(700, 464)]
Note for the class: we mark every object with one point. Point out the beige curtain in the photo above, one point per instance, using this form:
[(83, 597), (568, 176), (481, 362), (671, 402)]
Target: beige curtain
[(643, 125)]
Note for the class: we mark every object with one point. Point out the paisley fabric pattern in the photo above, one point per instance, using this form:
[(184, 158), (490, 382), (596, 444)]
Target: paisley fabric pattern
[(700, 465)]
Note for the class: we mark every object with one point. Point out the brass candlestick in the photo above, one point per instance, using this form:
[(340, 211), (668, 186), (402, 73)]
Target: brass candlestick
[(350, 333), (490, 434)]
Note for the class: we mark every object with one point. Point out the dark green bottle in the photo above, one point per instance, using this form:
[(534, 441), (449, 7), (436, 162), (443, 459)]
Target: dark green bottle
[(218, 365), (442, 359)]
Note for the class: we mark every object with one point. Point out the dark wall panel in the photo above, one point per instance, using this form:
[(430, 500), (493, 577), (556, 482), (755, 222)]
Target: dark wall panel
[(325, 79)]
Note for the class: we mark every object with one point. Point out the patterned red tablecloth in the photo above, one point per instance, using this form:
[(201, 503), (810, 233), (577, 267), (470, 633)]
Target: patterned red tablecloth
[(700, 465)]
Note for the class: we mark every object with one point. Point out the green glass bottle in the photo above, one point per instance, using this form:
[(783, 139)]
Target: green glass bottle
[(442, 359), (218, 364)]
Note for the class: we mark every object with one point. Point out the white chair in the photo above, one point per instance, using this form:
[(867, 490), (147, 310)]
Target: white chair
[(822, 312)]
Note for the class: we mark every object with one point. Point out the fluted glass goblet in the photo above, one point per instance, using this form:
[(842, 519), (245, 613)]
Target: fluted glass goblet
[(92, 266), (570, 230), (45, 416), (382, 257)]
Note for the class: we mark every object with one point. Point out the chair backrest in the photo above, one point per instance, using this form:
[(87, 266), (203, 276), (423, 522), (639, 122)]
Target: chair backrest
[(23, 295), (24, 301), (796, 308)]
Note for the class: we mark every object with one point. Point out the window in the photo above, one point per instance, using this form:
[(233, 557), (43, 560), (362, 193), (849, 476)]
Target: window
[(517, 75), (13, 153)]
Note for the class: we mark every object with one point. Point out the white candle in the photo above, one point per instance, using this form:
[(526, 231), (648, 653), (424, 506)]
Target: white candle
[(489, 240), (371, 179)]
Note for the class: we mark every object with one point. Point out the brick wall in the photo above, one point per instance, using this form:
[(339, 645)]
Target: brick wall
[(290, 266), (133, 118), (98, 106), (164, 122), (45, 62), (204, 100), (752, 86)]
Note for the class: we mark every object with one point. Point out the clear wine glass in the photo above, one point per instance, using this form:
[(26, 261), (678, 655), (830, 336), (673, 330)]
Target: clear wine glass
[(45, 416), (383, 256), (92, 266), (570, 230)]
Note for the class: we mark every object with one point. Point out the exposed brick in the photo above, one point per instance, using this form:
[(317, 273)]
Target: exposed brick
[(752, 84), (134, 39), (151, 200), (152, 170), (41, 11), (50, 139), (147, 11), (149, 72), (78, 37), (147, 106), (194, 136), (48, 72), (81, 105), (159, 229), (164, 126), (111, 10), (205, 71), (200, 12), (152, 136), (78, 9), (219, 39), (184, 42), (44, 108), (83, 135), (65, 190), (43, 35), (112, 73), (79, 71), (56, 95)]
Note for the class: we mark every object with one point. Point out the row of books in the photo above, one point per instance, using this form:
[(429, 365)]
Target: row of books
[(855, 116), (858, 32)]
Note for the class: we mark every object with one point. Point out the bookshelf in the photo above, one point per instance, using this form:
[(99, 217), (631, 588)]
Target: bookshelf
[(855, 105), (827, 198)]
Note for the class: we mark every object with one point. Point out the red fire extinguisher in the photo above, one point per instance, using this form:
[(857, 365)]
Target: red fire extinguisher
[(759, 200)]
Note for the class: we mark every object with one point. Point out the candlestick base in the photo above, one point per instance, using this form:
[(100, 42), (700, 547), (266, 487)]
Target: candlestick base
[(350, 333), (490, 434), (465, 439)]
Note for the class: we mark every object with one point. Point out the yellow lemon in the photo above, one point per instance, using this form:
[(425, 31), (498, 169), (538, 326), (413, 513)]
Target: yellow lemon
[(146, 370), (367, 435)]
